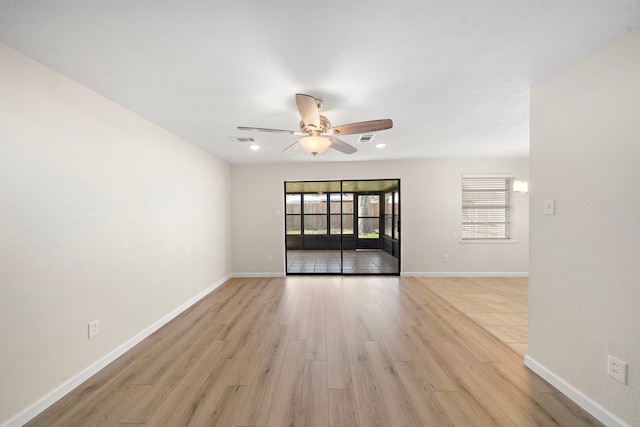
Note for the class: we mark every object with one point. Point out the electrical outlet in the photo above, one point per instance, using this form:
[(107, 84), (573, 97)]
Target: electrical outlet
[(269, 258), (445, 258), (94, 328), (617, 369)]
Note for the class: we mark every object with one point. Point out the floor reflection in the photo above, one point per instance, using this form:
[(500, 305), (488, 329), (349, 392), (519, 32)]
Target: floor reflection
[(355, 262)]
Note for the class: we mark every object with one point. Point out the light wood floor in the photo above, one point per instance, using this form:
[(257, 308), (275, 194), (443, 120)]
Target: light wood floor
[(498, 304), (314, 350)]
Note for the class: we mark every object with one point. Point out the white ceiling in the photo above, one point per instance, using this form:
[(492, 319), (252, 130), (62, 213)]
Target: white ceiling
[(454, 75)]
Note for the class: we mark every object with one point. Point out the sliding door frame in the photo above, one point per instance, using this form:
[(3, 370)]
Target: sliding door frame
[(297, 237)]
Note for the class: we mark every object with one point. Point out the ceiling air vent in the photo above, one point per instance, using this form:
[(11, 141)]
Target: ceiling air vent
[(243, 139), (366, 138)]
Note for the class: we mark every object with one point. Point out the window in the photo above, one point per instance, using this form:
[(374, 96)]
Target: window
[(315, 213), (486, 207), (391, 216), (368, 216), (388, 214), (341, 214), (396, 215), (293, 212)]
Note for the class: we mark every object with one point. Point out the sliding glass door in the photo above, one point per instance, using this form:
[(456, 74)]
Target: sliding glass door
[(342, 227)]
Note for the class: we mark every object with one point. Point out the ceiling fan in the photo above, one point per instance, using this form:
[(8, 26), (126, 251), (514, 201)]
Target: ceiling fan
[(318, 134)]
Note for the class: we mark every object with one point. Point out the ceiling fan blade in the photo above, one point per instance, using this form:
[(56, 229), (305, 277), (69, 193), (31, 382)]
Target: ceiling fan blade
[(363, 127), (290, 132), (308, 109), (342, 146), (291, 146)]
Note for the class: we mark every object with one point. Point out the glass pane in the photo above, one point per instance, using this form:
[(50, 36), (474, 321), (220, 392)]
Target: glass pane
[(335, 224), (347, 224), (315, 203), (347, 203), (388, 225), (335, 202), (315, 224), (293, 224), (396, 197), (368, 205), (368, 228), (396, 233), (388, 199), (293, 203)]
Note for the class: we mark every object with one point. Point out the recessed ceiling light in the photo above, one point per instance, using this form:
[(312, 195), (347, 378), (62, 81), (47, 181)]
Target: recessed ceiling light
[(254, 147), (380, 145)]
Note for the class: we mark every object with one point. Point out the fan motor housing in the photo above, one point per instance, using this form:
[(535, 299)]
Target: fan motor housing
[(324, 125)]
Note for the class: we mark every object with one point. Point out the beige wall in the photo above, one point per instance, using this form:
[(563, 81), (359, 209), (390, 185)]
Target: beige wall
[(102, 216), (430, 201), (584, 293)]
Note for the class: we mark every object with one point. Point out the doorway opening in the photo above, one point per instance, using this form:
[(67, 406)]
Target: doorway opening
[(343, 227)]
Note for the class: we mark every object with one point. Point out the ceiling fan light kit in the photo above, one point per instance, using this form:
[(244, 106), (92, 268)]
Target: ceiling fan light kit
[(314, 144), (319, 133)]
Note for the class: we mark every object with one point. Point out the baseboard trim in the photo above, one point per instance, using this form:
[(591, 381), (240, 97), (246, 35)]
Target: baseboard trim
[(467, 274), (52, 397), (585, 402), (256, 275)]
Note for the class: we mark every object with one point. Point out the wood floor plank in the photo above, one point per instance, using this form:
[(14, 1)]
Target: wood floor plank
[(263, 321), (389, 335), (365, 320), (161, 389), (317, 340), (371, 409), (175, 408), (88, 397), (258, 345), (342, 409), (227, 408), (235, 305), (338, 372), (499, 394), (338, 351), (287, 405), (301, 321), (315, 398), (258, 406), (344, 305), (222, 374), (464, 410), (331, 297), (238, 329), (490, 302), (434, 375), (422, 397), (318, 293), (288, 307), (394, 394)]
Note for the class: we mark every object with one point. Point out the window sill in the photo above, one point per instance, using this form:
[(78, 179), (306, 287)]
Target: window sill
[(489, 241)]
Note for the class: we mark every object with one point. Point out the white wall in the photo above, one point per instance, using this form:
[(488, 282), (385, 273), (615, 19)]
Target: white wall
[(584, 288), (430, 203), (104, 216)]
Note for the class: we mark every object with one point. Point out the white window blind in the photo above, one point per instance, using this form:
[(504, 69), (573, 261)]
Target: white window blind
[(486, 207)]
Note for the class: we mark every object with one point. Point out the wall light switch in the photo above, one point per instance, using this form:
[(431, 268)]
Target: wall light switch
[(550, 207)]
